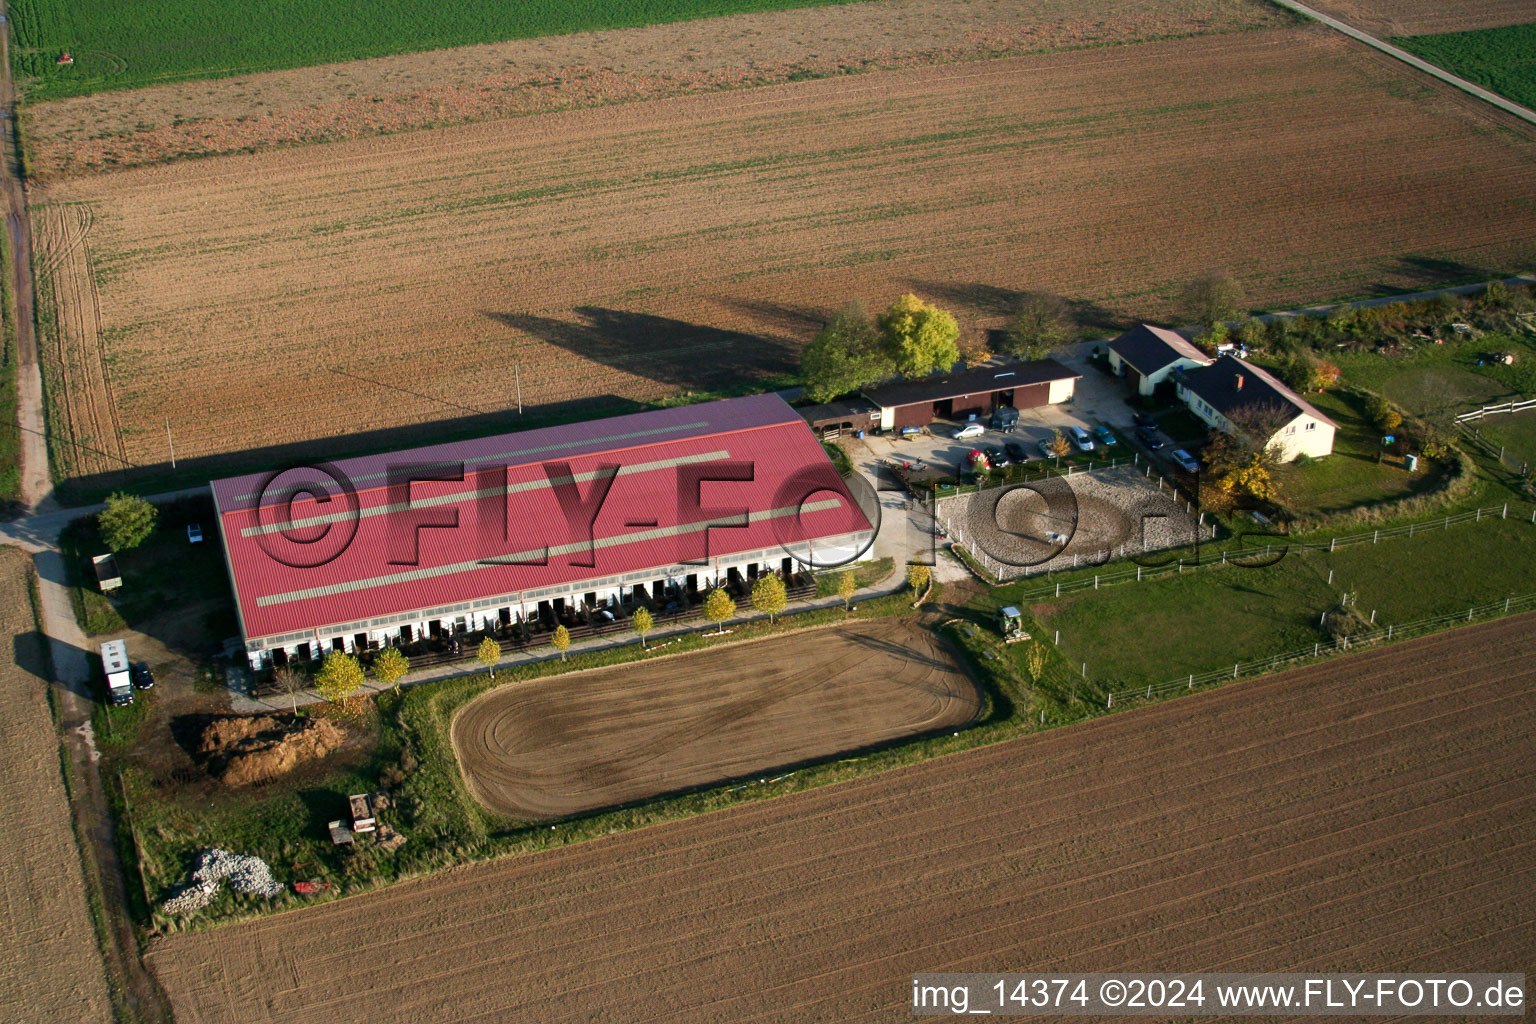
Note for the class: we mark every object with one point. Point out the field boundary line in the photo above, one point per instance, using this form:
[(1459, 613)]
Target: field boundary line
[(1471, 89)]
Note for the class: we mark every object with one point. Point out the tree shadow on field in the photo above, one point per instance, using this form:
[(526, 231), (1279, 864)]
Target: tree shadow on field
[(674, 353), (1423, 273), (990, 300), (793, 323)]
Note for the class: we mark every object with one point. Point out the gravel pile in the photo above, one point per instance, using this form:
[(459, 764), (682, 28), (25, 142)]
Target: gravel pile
[(245, 874)]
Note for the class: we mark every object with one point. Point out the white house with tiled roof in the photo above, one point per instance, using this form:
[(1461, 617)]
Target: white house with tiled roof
[(1223, 389)]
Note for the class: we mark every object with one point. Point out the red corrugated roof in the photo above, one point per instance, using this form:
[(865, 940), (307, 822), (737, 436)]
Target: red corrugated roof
[(355, 556)]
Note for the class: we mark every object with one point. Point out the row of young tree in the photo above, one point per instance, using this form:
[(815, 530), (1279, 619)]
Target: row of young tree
[(913, 338)]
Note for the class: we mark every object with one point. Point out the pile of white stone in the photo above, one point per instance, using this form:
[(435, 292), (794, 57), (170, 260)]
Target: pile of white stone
[(245, 874)]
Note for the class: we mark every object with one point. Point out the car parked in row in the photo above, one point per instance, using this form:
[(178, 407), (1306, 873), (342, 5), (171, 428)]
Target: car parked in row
[(997, 457), (1106, 436), (1016, 452), (1081, 438), (1185, 461), (1149, 437), (143, 678), (968, 431)]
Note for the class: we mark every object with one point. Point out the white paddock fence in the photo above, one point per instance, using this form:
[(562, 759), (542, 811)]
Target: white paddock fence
[(1261, 666)]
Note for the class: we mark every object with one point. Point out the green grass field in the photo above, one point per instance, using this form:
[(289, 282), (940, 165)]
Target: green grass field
[(1515, 433), (119, 45), (1435, 381), (1138, 633), (1351, 476), (1501, 59)]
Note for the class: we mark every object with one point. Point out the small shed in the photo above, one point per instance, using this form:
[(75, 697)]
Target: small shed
[(362, 813)]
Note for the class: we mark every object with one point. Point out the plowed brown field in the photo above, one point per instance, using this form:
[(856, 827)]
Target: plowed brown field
[(1424, 17), (50, 967), (1373, 813), (690, 243), (559, 746), (526, 76)]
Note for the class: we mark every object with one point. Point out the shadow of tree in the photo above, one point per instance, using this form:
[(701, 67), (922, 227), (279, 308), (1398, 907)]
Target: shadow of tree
[(671, 352), (997, 301)]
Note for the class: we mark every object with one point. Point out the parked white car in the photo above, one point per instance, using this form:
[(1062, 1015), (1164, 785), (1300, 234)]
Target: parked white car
[(1185, 461), (194, 533), (1081, 438), (968, 431)]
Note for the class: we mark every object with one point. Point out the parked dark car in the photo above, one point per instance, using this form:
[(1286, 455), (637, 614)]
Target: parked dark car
[(1143, 419), (997, 458), (143, 678), (1017, 452), (1148, 436)]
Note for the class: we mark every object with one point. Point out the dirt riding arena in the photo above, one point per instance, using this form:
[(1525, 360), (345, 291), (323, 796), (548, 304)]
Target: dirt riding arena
[(50, 968), (685, 244), (1425, 17), (1094, 516), (568, 744), (528, 76), (1373, 813)]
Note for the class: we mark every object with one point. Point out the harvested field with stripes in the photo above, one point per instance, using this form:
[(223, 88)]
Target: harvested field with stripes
[(1373, 813), (1427, 17), (571, 743), (402, 287)]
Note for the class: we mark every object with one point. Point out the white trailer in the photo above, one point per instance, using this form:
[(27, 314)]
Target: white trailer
[(114, 660)]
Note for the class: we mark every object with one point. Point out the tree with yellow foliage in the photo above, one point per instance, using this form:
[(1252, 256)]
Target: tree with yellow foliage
[(919, 338)]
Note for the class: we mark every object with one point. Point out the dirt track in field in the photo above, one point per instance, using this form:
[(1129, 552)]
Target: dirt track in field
[(1373, 813), (559, 746), (686, 244), (50, 968), (1425, 17), (475, 83)]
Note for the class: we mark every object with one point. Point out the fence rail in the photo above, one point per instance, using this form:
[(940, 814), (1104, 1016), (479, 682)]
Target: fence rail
[(1496, 410), (1139, 573), (1259, 666)]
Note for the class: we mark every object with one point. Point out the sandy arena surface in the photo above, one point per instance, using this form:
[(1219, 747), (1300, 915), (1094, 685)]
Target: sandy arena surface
[(567, 744), (383, 291), (1103, 514), (50, 967), (1373, 813)]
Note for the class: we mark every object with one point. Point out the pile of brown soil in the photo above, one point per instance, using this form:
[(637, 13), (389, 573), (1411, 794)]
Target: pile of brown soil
[(243, 750)]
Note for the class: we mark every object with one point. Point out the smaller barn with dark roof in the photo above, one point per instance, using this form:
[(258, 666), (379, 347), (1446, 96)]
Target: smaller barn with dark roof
[(1232, 390), (1149, 355), (973, 392)]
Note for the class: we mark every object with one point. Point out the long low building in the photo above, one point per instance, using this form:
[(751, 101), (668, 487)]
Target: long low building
[(366, 552), (972, 392)]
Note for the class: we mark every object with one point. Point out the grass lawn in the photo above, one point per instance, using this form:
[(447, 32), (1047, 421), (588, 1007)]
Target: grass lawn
[(1352, 475), (118, 45), (1515, 433), (1139, 633), (865, 574), (1437, 381), (1501, 59), (1440, 572), (1182, 426)]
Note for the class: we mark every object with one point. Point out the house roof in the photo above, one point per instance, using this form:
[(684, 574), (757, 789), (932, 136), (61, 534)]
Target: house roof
[(1148, 349), (980, 380), (534, 509), (1218, 384)]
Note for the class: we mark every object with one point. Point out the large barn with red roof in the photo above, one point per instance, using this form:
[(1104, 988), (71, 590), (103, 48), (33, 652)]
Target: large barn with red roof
[(457, 537)]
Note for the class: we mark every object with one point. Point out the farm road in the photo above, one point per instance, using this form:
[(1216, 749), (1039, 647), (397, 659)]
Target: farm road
[(1523, 113)]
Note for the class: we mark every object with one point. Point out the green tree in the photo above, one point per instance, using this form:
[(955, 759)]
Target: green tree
[(642, 623), (1039, 327), (919, 339), (1214, 298), (391, 666), (847, 586), (489, 654), (1300, 373), (561, 638), (340, 676), (917, 577), (1252, 334), (769, 595), (844, 356), (126, 522), (718, 607)]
